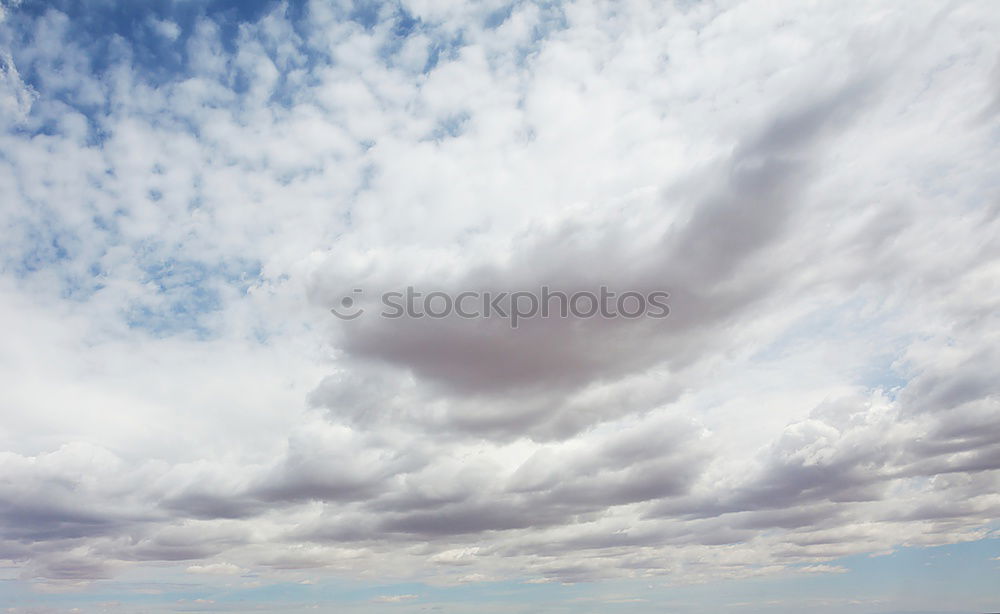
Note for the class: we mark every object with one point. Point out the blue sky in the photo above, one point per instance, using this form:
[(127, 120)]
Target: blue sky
[(187, 188)]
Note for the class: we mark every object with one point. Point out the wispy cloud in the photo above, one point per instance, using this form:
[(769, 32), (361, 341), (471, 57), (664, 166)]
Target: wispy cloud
[(393, 598)]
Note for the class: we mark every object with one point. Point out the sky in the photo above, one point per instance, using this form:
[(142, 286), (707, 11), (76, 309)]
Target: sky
[(187, 188)]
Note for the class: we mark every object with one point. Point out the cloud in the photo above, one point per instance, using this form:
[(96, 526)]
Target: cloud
[(811, 188), (394, 598), (225, 569), (16, 97), (701, 261)]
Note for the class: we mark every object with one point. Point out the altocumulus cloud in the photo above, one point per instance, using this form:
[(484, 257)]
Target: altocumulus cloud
[(186, 189)]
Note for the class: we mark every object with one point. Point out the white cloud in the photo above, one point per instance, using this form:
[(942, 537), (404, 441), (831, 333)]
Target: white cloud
[(222, 569), (166, 28), (394, 598), (15, 96)]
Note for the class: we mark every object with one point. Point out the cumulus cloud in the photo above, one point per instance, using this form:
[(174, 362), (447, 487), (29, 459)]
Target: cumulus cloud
[(185, 199)]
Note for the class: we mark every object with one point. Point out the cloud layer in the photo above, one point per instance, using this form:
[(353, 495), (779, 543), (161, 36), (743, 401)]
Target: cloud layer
[(186, 192)]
